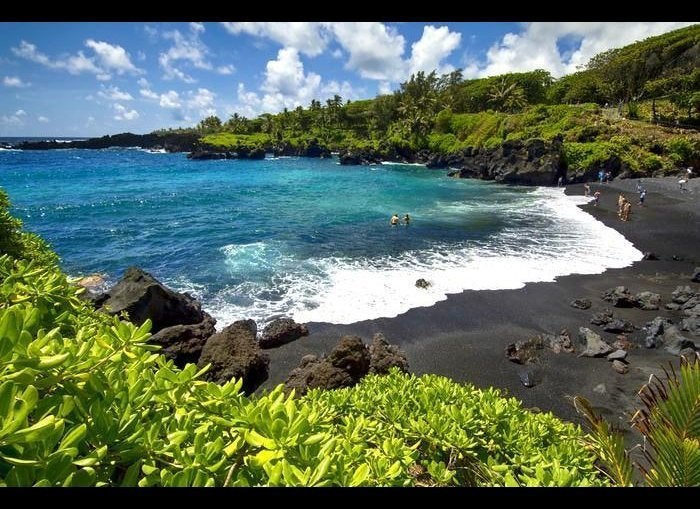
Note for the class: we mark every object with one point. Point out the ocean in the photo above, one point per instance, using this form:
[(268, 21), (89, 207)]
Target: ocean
[(304, 238)]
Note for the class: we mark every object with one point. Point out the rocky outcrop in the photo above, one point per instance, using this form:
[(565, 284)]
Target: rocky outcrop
[(560, 342), (203, 153), (620, 367), (180, 326), (595, 346), (353, 157), (682, 294), (313, 149), (142, 297), (534, 162), (619, 297), (234, 353), (347, 363), (384, 356), (171, 142), (281, 331), (183, 343)]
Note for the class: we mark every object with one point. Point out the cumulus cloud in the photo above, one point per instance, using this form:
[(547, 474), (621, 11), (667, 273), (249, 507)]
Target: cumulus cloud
[(287, 85), (187, 49), (43, 119), (433, 47), (170, 99), (309, 38), (535, 47), (14, 82), (225, 69), (14, 119), (112, 57), (108, 58), (113, 93), (375, 50), (122, 113), (202, 101)]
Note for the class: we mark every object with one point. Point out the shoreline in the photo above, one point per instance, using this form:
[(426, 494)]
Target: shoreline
[(464, 337)]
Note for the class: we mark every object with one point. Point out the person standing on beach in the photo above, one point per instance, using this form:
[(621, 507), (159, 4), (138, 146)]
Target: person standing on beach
[(596, 198), (560, 182), (642, 195), (586, 189), (620, 204), (601, 176), (626, 210)]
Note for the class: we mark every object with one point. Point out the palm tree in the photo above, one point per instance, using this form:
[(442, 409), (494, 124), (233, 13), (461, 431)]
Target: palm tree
[(507, 97)]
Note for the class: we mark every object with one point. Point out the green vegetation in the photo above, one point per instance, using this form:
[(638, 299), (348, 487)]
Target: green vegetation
[(657, 78), (85, 401), (670, 423)]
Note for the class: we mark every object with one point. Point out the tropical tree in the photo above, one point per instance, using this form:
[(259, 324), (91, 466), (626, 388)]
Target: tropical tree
[(507, 97)]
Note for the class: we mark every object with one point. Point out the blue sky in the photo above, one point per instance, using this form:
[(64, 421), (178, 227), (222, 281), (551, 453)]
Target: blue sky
[(91, 79)]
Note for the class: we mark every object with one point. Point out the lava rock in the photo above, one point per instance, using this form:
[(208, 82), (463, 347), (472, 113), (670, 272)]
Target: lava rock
[(524, 352), (655, 331), (281, 331), (682, 294), (696, 275), (620, 367), (559, 343), (619, 297), (617, 355), (595, 346), (235, 353), (422, 283), (602, 318), (580, 303), (648, 300), (184, 343), (143, 297), (675, 341), (618, 325), (384, 356), (649, 256)]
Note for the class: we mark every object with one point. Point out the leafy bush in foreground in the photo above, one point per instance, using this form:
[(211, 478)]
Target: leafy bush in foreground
[(85, 401)]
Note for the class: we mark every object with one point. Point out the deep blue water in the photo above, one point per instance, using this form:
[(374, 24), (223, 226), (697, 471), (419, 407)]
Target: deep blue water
[(300, 237)]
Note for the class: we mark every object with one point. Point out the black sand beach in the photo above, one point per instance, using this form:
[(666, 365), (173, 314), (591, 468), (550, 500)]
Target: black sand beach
[(465, 336)]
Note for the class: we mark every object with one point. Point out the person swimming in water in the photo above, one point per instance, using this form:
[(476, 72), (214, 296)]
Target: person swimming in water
[(394, 220), (406, 219)]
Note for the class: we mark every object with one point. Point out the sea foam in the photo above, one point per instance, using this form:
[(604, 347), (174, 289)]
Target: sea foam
[(344, 290)]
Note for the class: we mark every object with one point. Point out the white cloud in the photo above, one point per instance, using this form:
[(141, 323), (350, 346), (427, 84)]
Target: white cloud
[(310, 38), (384, 87), (225, 69), (337, 53), (112, 57), (43, 119), (197, 27), (14, 81), (140, 55), (170, 99), (148, 93), (435, 45), (188, 49), (286, 85), (535, 47), (14, 119), (203, 101), (123, 113), (375, 49), (113, 93)]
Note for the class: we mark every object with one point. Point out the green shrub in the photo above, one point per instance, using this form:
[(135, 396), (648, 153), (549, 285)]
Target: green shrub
[(682, 150)]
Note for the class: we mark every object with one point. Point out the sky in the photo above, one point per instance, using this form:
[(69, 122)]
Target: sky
[(92, 79)]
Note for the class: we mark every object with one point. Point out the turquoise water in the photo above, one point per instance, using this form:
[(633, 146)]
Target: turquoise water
[(298, 237)]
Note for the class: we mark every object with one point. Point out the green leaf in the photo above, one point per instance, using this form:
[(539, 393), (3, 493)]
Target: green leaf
[(75, 435), (360, 475)]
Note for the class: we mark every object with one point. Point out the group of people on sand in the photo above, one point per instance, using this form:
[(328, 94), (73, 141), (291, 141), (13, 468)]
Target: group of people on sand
[(624, 207), (395, 220)]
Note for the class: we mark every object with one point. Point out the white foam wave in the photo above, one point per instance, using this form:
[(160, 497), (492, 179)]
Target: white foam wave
[(345, 290), (399, 163)]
